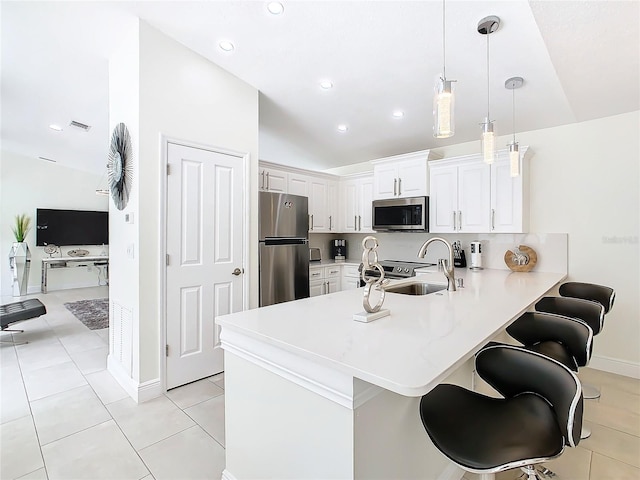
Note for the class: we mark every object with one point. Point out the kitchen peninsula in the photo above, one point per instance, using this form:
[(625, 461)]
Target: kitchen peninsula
[(310, 393)]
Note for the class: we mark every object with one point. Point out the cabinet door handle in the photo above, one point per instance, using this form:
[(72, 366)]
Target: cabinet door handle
[(359, 223), (493, 219), (330, 225), (399, 186), (355, 222), (311, 222), (267, 180), (455, 227), (395, 186), (327, 287), (262, 187), (459, 220)]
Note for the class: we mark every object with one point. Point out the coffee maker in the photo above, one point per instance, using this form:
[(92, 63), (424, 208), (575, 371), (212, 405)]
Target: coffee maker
[(339, 249)]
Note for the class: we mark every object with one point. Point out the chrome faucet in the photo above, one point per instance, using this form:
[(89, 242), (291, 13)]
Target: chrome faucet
[(449, 270)]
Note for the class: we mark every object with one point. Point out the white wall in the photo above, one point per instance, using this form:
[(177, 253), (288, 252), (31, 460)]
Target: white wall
[(29, 183), (184, 96)]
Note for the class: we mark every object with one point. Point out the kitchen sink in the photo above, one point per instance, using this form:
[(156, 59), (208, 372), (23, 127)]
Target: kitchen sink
[(416, 288)]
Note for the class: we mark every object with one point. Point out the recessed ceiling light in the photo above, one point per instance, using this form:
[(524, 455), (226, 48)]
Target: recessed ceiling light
[(398, 114), (55, 127), (226, 46), (326, 84), (342, 128), (275, 8)]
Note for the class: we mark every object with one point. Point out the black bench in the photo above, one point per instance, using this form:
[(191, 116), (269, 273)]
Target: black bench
[(19, 311)]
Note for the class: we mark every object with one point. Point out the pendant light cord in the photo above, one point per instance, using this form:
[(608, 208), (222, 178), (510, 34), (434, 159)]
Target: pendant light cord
[(513, 90), (488, 118), (444, 50)]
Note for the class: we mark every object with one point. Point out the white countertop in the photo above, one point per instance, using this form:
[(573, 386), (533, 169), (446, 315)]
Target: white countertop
[(409, 352)]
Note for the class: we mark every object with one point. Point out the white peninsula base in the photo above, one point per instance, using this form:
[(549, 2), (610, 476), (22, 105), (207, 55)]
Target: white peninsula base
[(277, 429)]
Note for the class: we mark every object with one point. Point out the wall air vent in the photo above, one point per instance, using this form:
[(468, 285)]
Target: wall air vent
[(79, 125)]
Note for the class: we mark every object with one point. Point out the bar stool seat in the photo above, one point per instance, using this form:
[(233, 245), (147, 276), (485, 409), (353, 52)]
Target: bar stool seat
[(498, 433), (540, 413)]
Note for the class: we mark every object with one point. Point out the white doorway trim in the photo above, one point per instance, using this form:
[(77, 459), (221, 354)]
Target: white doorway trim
[(162, 235)]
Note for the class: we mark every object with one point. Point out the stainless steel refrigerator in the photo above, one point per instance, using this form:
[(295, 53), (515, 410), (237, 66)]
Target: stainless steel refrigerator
[(283, 248)]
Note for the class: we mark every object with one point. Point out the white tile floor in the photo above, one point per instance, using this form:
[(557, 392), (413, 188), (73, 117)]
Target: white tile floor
[(63, 416)]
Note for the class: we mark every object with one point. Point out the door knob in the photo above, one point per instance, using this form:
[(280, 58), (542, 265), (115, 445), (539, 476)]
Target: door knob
[(237, 272)]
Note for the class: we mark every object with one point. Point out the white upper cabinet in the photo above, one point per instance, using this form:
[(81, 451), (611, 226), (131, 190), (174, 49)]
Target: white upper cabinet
[(321, 190), (460, 197), (510, 195), (443, 201), (356, 197), (298, 184), (273, 180), (469, 196), (402, 176), (333, 211), (318, 211)]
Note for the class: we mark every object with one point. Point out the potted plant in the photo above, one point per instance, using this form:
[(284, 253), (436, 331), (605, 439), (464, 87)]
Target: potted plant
[(21, 227), (20, 256)]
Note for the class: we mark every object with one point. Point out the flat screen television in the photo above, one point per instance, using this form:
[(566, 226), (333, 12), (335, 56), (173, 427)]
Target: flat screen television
[(71, 227)]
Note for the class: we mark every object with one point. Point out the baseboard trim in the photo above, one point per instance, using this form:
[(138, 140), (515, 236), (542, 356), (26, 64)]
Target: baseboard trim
[(615, 365), (149, 390), (139, 392), (226, 475)]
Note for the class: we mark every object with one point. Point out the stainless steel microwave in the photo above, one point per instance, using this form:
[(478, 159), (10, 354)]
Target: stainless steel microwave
[(401, 214)]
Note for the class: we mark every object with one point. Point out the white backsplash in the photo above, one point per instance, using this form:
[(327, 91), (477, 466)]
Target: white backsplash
[(550, 247)]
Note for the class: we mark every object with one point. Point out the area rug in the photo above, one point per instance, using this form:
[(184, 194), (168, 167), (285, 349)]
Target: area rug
[(93, 313)]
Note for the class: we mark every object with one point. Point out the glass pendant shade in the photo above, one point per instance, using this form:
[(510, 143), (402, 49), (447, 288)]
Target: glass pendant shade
[(488, 142), (514, 159), (443, 109)]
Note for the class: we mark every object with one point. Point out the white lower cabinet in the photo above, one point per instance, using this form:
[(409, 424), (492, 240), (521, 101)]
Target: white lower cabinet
[(350, 276), (324, 279)]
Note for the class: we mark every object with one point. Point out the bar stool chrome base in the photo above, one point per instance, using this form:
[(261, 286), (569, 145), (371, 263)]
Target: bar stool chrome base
[(590, 392), (585, 432), (531, 473)]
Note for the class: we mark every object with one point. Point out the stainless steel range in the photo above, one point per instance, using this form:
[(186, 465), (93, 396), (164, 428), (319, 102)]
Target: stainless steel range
[(394, 269)]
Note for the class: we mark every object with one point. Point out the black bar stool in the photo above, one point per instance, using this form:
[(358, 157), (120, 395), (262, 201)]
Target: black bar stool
[(540, 413), (565, 339), (605, 296), (589, 311)]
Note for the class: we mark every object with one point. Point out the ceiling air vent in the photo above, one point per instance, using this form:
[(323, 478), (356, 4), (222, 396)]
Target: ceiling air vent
[(79, 125)]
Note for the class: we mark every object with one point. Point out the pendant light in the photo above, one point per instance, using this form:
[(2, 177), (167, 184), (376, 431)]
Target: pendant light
[(514, 153), (443, 100), (487, 26)]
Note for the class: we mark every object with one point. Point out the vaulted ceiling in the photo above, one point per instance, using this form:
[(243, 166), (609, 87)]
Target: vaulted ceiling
[(580, 60)]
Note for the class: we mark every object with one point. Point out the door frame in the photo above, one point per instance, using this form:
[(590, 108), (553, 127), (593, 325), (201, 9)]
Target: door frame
[(165, 140)]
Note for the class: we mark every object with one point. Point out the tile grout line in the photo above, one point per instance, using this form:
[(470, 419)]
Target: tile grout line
[(33, 420)]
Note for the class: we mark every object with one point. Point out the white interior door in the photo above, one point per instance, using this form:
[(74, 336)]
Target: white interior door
[(204, 247)]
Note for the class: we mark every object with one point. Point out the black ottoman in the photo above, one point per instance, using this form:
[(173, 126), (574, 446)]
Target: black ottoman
[(19, 311)]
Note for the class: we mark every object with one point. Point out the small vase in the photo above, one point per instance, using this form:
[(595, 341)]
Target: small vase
[(20, 263)]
